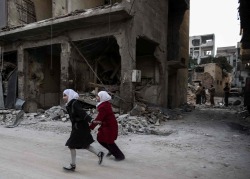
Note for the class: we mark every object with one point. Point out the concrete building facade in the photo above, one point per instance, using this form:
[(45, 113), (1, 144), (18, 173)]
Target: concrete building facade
[(233, 58), (201, 46), (210, 74), (83, 44)]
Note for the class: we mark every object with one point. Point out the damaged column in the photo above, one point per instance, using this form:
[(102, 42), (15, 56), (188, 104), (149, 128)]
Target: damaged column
[(65, 58), (22, 66), (127, 42)]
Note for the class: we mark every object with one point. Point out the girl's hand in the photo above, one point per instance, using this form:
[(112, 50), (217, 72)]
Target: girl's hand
[(96, 122)]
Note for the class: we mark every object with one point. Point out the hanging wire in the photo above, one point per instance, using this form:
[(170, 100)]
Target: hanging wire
[(86, 61), (72, 43), (1, 49), (51, 47)]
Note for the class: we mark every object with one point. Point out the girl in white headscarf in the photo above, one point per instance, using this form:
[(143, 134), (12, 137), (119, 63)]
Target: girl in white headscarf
[(103, 97), (80, 136), (108, 131)]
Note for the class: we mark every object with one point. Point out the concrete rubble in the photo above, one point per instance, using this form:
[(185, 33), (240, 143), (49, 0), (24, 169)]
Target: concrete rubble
[(142, 119)]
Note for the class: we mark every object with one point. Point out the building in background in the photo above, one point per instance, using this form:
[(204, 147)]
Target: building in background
[(209, 74), (201, 46), (138, 50), (233, 58)]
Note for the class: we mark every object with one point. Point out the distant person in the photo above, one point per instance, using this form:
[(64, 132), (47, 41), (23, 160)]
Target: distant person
[(80, 136), (198, 94), (203, 95), (108, 130), (211, 91), (226, 94)]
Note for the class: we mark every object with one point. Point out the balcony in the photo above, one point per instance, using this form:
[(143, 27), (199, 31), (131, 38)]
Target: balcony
[(75, 20)]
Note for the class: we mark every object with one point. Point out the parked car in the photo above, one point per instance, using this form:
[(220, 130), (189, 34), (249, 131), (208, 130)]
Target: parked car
[(234, 92)]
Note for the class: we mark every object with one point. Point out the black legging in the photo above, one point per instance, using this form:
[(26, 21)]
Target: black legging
[(114, 150)]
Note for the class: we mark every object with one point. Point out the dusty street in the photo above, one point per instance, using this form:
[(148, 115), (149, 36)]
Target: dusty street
[(205, 143)]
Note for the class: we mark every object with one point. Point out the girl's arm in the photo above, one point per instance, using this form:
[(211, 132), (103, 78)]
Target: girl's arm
[(98, 119)]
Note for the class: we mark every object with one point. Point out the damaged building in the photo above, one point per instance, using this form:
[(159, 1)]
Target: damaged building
[(209, 74), (201, 46), (244, 14), (137, 50)]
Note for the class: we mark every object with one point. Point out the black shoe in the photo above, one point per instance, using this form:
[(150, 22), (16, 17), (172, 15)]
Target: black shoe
[(71, 167), (119, 159), (100, 155), (108, 154)]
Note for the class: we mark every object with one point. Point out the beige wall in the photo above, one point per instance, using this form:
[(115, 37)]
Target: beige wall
[(212, 75), (43, 9)]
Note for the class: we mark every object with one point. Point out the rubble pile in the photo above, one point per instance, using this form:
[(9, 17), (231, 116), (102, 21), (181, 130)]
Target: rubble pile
[(191, 94), (141, 119)]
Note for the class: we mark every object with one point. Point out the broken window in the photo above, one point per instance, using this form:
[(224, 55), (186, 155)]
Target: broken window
[(9, 83), (196, 42), (146, 62), (102, 62), (207, 53), (207, 38), (199, 69)]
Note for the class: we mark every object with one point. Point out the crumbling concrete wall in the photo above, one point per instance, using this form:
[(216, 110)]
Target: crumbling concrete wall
[(215, 71), (59, 8), (83, 4), (177, 54), (182, 74), (150, 23), (65, 59), (212, 75), (64, 7)]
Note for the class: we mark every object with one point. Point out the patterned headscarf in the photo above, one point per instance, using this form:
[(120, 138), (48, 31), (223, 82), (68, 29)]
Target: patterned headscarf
[(71, 94), (104, 96)]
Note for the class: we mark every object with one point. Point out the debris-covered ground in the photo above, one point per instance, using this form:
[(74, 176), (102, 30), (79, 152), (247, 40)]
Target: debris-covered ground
[(188, 142), (204, 143)]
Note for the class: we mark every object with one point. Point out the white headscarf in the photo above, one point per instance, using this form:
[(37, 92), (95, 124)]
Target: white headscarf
[(104, 96), (71, 94)]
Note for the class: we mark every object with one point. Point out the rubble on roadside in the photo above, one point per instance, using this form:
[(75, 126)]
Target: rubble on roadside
[(141, 119)]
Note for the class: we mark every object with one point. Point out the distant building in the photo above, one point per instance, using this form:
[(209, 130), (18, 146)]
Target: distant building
[(232, 56), (201, 46), (210, 74)]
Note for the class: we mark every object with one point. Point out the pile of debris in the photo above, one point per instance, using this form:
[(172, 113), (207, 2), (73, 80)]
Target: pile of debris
[(191, 94), (141, 119)]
